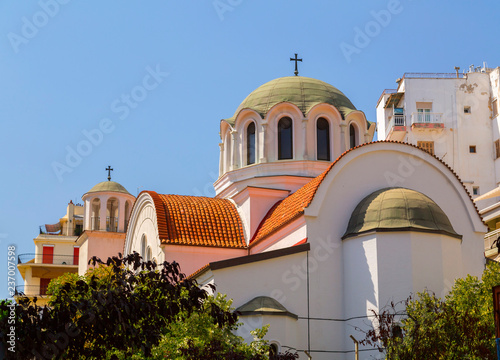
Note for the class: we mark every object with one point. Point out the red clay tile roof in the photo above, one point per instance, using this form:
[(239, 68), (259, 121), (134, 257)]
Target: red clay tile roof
[(292, 207), (198, 220)]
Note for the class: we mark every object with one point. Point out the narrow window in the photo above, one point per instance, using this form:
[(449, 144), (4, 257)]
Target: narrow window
[(44, 284), (143, 246), (352, 136), (475, 190), (251, 144), (497, 149), (427, 146), (48, 254), (285, 136), (323, 139), (494, 107), (273, 352), (466, 109), (472, 149), (76, 255)]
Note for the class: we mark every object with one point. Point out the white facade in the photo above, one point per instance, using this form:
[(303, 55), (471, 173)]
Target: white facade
[(455, 114)]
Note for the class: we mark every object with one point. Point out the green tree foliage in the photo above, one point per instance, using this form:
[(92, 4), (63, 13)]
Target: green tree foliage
[(128, 309), (89, 316), (460, 326)]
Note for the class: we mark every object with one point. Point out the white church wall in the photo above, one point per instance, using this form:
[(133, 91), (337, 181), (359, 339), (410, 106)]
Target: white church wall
[(385, 165), (193, 258), (282, 278), (288, 236)]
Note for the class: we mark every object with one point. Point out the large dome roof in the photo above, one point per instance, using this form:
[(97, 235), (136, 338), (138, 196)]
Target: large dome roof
[(108, 186), (398, 209), (302, 91)]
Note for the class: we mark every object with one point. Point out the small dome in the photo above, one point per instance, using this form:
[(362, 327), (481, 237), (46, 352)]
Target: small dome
[(108, 186), (264, 305), (302, 91), (398, 209)]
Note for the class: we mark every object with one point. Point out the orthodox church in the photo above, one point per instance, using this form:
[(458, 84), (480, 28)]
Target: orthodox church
[(313, 225)]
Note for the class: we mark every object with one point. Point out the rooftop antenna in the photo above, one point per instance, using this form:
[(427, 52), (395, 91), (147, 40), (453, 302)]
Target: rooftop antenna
[(457, 68), (296, 72)]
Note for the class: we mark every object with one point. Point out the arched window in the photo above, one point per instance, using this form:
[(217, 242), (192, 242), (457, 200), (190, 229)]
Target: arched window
[(251, 143), (127, 214), (273, 351), (112, 215), (285, 138), (95, 219), (143, 246), (323, 139), (352, 136), (148, 254), (227, 151)]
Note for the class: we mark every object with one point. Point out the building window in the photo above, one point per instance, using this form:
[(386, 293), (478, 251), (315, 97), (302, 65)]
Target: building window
[(76, 255), (494, 107), (323, 139), (48, 254), (251, 143), (148, 254), (44, 284), (475, 190), (273, 352), (285, 139), (497, 149), (467, 110), (143, 246), (352, 136), (427, 146), (472, 149)]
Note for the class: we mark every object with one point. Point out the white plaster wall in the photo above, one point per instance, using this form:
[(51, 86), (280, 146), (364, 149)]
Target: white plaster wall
[(284, 279), (288, 236), (193, 258), (449, 97), (385, 165)]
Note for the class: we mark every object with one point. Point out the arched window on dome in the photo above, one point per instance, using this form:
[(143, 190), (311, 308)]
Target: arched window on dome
[(127, 213), (323, 139), (112, 215), (227, 151), (95, 219), (251, 143), (285, 138), (352, 136)]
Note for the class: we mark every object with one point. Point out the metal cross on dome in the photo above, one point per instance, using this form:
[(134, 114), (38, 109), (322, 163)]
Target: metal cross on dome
[(296, 72), (109, 169)]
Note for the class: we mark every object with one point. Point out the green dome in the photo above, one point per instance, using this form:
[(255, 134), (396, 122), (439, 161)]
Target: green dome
[(398, 209), (108, 186), (301, 91), (264, 305)]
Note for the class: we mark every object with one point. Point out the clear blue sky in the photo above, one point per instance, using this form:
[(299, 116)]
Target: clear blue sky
[(66, 67)]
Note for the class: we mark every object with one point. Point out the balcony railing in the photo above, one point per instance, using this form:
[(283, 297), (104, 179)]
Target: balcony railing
[(426, 118), (48, 259), (490, 238), (112, 224), (31, 290), (432, 76), (399, 120)]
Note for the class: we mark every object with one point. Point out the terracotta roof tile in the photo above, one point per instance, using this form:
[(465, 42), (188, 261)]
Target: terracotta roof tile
[(198, 220), (292, 207)]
